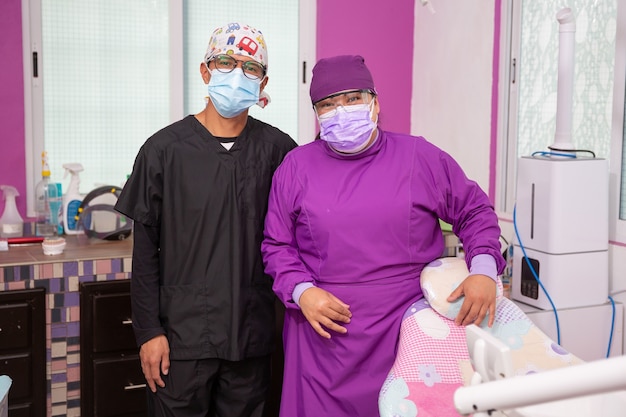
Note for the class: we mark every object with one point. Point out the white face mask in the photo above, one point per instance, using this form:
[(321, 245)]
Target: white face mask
[(349, 128), (232, 93)]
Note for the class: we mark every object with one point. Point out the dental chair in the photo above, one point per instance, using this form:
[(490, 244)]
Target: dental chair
[(514, 369)]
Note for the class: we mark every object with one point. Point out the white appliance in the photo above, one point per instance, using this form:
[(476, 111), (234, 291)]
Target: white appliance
[(562, 217), (562, 209)]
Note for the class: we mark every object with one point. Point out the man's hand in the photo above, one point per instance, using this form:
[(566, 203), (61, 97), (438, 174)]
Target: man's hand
[(480, 298), (321, 308), (155, 358)]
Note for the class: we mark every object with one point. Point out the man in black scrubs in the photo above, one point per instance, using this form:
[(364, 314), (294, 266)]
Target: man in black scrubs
[(203, 308)]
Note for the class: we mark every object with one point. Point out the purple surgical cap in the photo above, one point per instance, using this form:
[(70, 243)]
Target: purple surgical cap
[(340, 73)]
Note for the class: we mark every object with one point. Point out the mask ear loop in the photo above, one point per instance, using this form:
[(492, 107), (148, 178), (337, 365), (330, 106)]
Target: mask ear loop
[(371, 104)]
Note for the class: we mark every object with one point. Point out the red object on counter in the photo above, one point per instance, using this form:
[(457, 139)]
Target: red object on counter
[(24, 239)]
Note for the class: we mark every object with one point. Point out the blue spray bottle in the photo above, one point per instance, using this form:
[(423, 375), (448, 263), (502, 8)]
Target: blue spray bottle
[(72, 198)]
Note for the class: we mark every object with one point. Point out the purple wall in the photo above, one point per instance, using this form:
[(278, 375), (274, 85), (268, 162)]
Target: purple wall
[(12, 154), (381, 32)]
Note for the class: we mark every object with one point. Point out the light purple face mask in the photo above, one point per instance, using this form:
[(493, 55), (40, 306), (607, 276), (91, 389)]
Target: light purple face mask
[(349, 128)]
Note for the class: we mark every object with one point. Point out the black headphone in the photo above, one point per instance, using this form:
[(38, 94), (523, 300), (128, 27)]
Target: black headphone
[(123, 225)]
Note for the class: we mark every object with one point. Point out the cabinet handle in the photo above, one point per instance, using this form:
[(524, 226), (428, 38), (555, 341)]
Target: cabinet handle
[(127, 321), (131, 387)]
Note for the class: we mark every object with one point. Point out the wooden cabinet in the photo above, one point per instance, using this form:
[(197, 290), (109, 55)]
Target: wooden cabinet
[(111, 381), (23, 350)]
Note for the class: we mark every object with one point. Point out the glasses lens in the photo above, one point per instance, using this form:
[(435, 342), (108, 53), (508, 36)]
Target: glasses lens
[(347, 100), (251, 69), (224, 63)]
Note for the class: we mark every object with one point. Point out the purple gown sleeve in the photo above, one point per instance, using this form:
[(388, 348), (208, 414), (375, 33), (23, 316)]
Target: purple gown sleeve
[(466, 206), (279, 248)]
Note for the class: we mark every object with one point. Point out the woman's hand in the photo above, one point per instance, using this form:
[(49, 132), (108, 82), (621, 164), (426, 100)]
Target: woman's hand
[(480, 299), (324, 310)]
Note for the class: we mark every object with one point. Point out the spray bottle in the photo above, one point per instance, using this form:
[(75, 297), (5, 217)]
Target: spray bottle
[(71, 198), (44, 192), (11, 223)]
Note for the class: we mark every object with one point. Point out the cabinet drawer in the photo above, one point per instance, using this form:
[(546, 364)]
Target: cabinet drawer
[(18, 368), (120, 386), (14, 326), (112, 327), (22, 410)]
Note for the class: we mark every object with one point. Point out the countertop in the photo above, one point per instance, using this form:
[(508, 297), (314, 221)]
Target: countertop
[(78, 247)]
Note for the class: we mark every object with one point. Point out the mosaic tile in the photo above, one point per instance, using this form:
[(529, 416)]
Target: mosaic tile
[(116, 265), (59, 410), (103, 266), (25, 272), (73, 284), (72, 299), (59, 393), (19, 285), (46, 271), (74, 314), (127, 264), (55, 285), (70, 268), (86, 278), (57, 367), (73, 374), (55, 315), (88, 268), (73, 358), (9, 275), (59, 299), (57, 270), (59, 350), (73, 412), (58, 330)]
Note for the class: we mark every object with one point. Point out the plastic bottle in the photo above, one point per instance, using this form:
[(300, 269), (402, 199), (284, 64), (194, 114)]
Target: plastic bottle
[(11, 223), (56, 206), (45, 191), (71, 199)]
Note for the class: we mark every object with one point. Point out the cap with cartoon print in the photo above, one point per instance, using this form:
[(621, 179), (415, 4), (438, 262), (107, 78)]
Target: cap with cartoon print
[(237, 39)]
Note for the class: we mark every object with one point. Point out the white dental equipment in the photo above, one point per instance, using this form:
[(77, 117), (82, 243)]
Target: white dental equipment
[(590, 389), (562, 205)]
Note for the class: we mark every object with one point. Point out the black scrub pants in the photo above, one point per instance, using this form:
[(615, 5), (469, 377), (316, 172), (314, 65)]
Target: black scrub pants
[(213, 388)]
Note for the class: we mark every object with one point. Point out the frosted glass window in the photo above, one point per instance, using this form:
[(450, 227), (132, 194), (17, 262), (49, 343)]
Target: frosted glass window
[(106, 75), (593, 79), (278, 21), (106, 83)]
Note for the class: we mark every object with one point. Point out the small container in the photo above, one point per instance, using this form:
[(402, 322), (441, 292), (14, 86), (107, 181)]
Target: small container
[(53, 245)]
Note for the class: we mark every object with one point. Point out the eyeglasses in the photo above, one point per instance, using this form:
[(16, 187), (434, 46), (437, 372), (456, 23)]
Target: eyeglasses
[(251, 69), (345, 99)]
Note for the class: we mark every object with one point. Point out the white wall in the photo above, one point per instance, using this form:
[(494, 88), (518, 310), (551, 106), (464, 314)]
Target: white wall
[(452, 61)]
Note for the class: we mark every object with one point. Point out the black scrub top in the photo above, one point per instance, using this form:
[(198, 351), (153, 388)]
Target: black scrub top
[(203, 285)]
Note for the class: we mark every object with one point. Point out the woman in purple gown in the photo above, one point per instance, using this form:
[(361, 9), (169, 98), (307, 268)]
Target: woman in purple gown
[(352, 220)]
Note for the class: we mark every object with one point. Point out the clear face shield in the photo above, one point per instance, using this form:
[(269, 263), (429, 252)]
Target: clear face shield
[(98, 218), (349, 101)]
